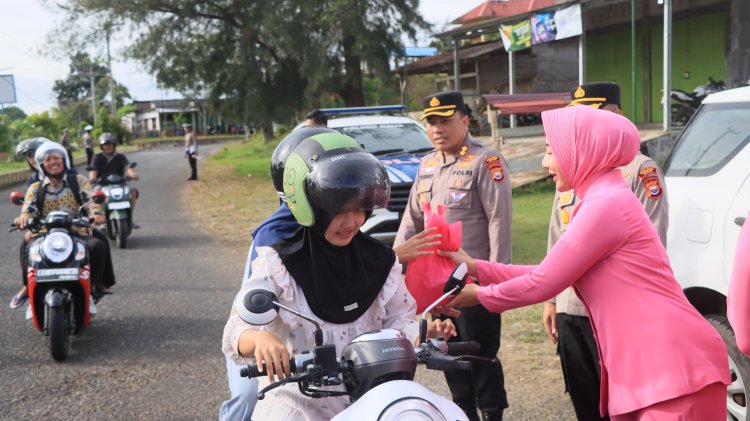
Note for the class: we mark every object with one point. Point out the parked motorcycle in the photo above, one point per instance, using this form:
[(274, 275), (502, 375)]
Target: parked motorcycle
[(376, 369), (59, 275), (688, 102), (117, 210)]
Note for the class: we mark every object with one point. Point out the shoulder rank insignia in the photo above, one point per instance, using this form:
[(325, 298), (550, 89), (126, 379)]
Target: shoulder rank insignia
[(565, 217)]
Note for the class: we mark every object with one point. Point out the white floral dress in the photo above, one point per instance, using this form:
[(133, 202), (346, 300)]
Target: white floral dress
[(393, 308)]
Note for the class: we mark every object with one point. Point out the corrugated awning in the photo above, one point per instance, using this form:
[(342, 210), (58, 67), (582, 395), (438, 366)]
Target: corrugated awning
[(528, 103), (427, 64)]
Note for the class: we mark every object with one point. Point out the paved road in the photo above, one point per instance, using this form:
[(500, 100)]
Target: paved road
[(153, 351)]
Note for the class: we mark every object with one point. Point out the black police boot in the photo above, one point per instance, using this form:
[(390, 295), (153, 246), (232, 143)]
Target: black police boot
[(469, 409), (492, 416)]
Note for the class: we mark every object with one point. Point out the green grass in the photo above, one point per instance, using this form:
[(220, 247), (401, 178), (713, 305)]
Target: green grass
[(251, 158), (532, 205)]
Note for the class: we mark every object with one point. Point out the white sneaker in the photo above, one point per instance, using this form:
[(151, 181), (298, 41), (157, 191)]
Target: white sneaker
[(28, 312), (92, 306)]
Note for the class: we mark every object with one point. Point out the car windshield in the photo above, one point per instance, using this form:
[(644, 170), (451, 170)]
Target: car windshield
[(389, 139), (711, 139)]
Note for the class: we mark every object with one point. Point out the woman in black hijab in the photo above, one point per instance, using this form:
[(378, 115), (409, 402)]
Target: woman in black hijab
[(349, 282)]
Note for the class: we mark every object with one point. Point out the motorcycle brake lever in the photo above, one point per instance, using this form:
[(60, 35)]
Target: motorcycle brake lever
[(295, 378)]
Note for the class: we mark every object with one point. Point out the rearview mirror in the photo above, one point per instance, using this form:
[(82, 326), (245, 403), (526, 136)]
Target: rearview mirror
[(16, 198), (257, 307), (99, 197), (457, 280)]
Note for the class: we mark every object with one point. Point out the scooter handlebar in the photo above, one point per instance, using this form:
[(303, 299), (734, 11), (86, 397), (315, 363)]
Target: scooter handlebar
[(252, 371), (462, 348)]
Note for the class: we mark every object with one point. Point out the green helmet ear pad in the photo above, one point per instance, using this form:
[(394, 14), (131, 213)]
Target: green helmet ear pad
[(295, 177), (312, 154)]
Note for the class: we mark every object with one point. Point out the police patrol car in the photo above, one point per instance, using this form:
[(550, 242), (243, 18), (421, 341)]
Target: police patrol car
[(399, 142), (708, 183)]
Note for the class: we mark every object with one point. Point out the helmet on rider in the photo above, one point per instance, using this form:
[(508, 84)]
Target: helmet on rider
[(28, 147), (47, 148), (107, 138), (284, 148), (330, 173)]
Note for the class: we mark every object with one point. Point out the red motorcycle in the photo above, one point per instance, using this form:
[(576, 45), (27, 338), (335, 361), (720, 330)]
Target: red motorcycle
[(59, 275)]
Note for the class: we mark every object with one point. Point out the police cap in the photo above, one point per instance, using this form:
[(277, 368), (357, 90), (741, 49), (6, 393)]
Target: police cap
[(597, 94), (443, 104)]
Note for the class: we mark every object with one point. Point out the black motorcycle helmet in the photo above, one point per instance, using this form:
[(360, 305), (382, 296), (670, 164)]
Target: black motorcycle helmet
[(330, 173), (284, 148), (27, 148), (106, 138)]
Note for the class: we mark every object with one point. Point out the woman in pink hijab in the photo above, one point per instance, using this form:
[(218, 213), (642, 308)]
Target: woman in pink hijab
[(738, 298), (660, 359)]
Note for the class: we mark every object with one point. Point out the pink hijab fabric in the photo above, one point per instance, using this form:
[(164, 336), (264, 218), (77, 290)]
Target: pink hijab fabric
[(587, 141)]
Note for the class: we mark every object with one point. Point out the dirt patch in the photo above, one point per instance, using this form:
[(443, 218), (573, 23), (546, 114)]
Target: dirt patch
[(230, 206)]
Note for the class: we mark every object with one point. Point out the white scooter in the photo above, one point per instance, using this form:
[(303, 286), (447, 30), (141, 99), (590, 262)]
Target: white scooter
[(377, 368)]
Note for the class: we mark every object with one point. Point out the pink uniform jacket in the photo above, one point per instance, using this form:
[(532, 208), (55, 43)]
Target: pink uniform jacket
[(738, 298), (653, 345)]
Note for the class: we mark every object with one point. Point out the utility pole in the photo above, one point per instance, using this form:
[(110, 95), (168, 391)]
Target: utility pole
[(93, 91), (113, 101)]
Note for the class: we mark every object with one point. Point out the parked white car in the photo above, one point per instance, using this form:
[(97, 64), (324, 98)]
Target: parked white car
[(708, 183)]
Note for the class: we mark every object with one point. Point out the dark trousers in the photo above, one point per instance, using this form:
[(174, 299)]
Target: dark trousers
[(580, 363), (100, 258), (483, 386), (89, 155), (24, 262), (193, 167)]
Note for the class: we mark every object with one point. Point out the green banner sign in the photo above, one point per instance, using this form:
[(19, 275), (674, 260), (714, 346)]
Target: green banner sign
[(516, 36)]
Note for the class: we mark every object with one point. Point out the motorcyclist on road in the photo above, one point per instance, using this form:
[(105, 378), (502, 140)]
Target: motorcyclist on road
[(239, 407), (27, 148), (61, 191), (110, 162), (332, 186)]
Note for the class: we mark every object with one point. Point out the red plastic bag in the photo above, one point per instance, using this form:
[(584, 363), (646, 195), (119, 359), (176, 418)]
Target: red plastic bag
[(426, 275)]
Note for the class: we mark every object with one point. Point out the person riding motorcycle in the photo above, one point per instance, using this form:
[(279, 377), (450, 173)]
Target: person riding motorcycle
[(110, 162), (331, 186), (27, 148), (59, 189)]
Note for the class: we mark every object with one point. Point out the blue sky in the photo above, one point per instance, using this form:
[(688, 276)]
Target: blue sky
[(24, 25)]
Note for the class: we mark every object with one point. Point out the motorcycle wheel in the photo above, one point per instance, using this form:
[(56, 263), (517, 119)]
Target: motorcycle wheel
[(122, 229), (59, 340), (110, 230)]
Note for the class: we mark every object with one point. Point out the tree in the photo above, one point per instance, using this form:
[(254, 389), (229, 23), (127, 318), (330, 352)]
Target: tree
[(264, 60), (13, 113), (77, 86)]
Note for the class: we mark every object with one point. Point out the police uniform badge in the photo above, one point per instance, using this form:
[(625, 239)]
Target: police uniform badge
[(650, 179), (495, 166)]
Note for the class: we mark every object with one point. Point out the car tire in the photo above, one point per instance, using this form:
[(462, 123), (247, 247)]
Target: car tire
[(739, 369)]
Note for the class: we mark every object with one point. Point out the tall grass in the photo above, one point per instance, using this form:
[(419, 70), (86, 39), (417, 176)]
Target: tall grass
[(532, 205)]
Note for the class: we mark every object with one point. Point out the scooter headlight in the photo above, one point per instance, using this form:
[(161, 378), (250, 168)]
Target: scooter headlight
[(35, 252), (116, 193), (57, 246), (411, 409)]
